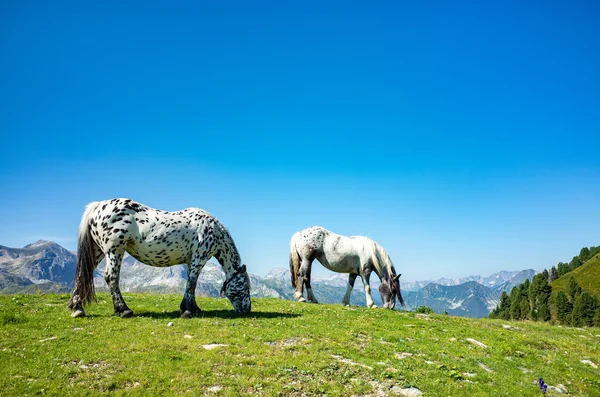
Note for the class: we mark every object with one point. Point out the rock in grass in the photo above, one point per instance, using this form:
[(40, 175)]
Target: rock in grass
[(213, 346), (594, 365), (477, 343), (485, 367), (409, 392)]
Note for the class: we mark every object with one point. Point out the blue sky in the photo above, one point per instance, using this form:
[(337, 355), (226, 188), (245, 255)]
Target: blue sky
[(461, 136)]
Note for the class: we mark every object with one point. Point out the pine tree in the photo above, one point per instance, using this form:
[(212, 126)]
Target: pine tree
[(494, 313), (584, 254), (553, 274), (515, 309), (524, 305), (563, 308), (575, 263), (504, 312), (543, 313), (573, 288), (584, 310), (563, 268)]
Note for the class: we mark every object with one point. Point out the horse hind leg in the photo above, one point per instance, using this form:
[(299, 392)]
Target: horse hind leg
[(303, 278), (75, 303), (309, 294), (111, 276)]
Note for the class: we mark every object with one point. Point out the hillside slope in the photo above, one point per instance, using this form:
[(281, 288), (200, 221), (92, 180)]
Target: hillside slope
[(281, 348), (586, 275)]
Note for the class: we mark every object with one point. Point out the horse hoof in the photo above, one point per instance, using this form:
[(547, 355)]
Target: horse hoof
[(186, 314), (302, 300), (297, 296), (126, 314), (78, 313)]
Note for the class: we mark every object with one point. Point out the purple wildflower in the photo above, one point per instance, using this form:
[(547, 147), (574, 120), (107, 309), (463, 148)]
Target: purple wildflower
[(543, 386)]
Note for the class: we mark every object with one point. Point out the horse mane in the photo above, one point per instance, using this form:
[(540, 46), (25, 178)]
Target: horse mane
[(382, 263), (225, 237)]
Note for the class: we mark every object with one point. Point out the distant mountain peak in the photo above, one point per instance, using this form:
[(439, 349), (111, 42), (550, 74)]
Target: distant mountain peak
[(40, 243), (278, 272)]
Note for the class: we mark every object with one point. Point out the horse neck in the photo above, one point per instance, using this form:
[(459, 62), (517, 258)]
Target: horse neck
[(227, 253), (384, 270)]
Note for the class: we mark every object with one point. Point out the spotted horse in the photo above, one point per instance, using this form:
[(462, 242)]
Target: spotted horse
[(157, 238), (356, 255)]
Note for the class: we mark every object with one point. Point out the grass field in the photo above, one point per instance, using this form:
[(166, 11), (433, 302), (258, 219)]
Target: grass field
[(283, 348)]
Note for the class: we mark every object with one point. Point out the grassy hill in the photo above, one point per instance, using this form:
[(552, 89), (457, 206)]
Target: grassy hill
[(586, 275), (282, 348)]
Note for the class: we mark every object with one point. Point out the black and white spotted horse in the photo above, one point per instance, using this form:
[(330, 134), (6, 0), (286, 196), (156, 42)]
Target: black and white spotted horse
[(356, 255), (156, 238)]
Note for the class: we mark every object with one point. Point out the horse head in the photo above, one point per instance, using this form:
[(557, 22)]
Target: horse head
[(237, 289), (390, 290)]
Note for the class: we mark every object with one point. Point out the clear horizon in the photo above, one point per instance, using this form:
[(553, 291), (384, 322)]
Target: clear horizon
[(461, 137)]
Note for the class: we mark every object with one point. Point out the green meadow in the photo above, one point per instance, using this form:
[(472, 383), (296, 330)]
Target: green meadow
[(282, 348)]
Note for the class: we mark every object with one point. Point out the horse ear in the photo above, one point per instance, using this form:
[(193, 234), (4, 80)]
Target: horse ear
[(243, 269), (396, 277)]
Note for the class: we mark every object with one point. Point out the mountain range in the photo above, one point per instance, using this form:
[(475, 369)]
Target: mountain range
[(45, 266)]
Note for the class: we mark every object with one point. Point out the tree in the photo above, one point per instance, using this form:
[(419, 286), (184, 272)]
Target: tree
[(584, 254), (584, 310), (539, 293), (573, 288), (515, 309), (524, 308), (563, 268), (563, 308), (553, 274), (504, 309), (543, 313), (575, 263), (546, 274), (524, 305)]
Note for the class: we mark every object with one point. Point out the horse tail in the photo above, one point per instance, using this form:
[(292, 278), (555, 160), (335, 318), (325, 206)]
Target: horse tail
[(86, 261), (294, 261)]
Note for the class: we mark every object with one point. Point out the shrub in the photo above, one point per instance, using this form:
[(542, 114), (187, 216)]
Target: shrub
[(424, 309)]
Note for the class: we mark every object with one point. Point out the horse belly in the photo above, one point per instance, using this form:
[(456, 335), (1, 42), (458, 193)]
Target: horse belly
[(159, 253), (340, 263)]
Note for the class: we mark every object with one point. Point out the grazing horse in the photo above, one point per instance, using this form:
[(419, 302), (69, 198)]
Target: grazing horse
[(356, 255), (156, 238)]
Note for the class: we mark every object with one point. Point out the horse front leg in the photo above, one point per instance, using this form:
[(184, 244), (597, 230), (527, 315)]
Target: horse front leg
[(365, 278), (188, 306), (111, 276), (351, 280)]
